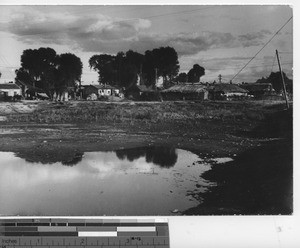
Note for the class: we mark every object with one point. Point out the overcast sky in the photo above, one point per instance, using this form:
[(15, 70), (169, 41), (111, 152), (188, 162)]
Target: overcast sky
[(221, 38)]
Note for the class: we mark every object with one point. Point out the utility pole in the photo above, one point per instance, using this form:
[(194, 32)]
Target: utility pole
[(282, 78), (220, 78), (159, 95), (155, 77), (141, 73)]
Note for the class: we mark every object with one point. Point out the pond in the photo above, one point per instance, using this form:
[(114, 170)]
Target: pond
[(137, 181)]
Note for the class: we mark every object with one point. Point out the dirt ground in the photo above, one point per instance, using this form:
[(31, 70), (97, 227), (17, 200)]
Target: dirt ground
[(258, 181)]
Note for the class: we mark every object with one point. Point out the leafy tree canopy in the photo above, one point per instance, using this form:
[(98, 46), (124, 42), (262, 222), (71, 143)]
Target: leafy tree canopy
[(196, 73), (44, 69), (182, 77), (124, 69)]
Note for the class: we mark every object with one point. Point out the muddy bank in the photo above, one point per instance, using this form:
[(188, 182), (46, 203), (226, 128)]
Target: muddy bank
[(260, 180), (52, 143)]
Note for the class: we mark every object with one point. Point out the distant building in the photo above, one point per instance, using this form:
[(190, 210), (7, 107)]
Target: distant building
[(10, 90), (101, 90), (142, 93), (225, 91), (259, 90), (186, 91), (31, 92)]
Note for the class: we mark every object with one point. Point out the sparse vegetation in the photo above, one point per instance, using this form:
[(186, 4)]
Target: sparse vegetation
[(155, 112)]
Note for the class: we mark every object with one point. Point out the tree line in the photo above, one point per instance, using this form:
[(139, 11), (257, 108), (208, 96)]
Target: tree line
[(48, 71), (125, 69), (275, 79), (43, 69)]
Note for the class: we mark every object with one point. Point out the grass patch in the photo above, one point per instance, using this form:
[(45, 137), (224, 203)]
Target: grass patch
[(86, 112)]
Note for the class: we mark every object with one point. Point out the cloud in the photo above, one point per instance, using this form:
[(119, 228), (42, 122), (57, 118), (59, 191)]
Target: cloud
[(100, 33), (32, 26), (254, 38), (104, 34)]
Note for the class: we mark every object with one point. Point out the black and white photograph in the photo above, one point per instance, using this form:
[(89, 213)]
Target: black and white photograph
[(146, 110)]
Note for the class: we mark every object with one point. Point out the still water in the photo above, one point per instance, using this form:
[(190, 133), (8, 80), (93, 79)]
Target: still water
[(139, 181)]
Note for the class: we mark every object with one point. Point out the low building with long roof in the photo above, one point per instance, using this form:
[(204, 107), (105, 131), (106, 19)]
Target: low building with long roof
[(186, 91), (226, 91)]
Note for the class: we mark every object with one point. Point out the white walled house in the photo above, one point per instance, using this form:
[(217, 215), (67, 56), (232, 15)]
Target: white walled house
[(101, 90), (10, 89)]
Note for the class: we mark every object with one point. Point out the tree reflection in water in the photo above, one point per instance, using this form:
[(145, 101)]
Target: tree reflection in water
[(65, 157), (165, 157), (162, 156), (75, 160)]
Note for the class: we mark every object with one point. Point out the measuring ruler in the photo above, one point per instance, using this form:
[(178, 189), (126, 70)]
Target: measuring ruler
[(83, 232)]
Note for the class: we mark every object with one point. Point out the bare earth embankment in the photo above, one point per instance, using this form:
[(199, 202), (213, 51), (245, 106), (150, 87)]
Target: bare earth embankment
[(257, 134)]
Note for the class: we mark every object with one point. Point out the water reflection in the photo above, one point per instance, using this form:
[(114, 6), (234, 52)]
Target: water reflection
[(162, 156), (142, 181), (75, 160), (46, 156)]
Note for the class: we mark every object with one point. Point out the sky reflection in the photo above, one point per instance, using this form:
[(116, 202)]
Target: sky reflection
[(110, 183)]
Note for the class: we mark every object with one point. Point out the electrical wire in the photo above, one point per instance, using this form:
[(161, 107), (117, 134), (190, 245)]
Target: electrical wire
[(263, 65), (262, 48)]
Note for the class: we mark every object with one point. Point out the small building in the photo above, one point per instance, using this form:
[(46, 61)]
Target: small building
[(225, 91), (186, 91), (142, 93), (10, 91), (101, 90), (31, 92), (259, 91)]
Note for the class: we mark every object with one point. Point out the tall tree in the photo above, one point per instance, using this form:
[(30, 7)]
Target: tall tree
[(69, 70), (104, 65), (163, 62), (121, 70), (196, 73), (42, 68), (37, 61), (149, 68), (132, 68), (36, 67)]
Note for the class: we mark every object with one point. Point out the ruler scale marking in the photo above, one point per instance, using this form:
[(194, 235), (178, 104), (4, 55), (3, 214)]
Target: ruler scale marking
[(87, 233)]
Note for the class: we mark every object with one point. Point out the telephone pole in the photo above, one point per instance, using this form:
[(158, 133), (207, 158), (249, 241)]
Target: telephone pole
[(220, 78), (282, 78), (155, 77)]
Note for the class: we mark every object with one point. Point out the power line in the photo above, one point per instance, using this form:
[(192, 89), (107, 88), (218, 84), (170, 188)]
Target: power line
[(104, 8), (285, 52), (8, 64), (262, 48), (179, 12), (147, 7), (263, 65)]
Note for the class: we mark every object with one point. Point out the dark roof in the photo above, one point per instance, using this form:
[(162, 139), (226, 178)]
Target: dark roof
[(144, 88), (226, 88), (101, 86), (9, 86), (186, 88), (257, 86), (30, 87)]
